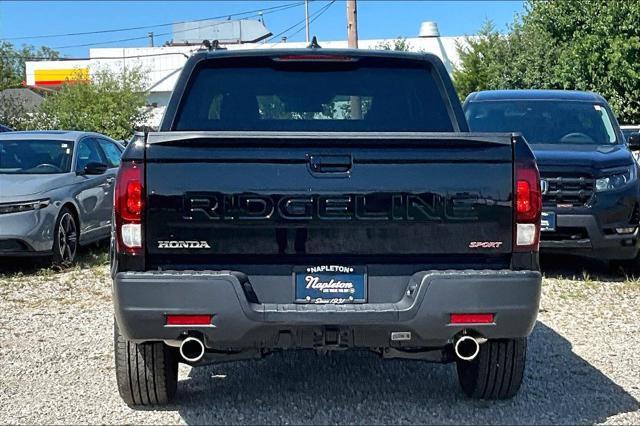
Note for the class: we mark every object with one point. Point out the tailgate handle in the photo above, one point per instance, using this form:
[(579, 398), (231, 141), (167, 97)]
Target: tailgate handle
[(333, 164)]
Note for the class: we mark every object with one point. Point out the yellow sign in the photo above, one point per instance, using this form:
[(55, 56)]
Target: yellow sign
[(49, 77)]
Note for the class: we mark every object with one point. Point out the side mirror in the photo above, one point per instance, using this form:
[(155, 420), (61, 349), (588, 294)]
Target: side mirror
[(634, 141), (94, 168)]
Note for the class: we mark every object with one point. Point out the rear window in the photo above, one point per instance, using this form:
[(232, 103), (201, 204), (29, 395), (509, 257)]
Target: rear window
[(314, 96)]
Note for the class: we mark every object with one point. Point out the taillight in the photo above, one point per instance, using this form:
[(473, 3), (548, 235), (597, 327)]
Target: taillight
[(528, 206), (129, 207)]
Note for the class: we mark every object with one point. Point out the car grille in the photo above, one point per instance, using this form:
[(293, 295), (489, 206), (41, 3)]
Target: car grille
[(573, 190)]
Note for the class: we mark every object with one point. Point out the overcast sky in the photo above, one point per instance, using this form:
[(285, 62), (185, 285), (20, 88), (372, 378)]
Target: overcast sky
[(377, 19)]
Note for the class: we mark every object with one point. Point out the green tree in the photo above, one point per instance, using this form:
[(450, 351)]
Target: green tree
[(109, 103), (12, 62), (481, 59), (401, 44), (587, 45), (14, 113)]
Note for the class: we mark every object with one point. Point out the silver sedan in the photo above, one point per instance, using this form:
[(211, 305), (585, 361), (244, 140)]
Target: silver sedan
[(56, 192)]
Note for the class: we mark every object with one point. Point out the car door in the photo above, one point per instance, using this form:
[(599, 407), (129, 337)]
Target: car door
[(112, 153), (91, 193)]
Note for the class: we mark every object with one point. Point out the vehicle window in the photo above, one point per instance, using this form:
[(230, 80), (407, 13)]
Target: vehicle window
[(628, 132), (544, 122), (87, 153), (111, 151), (315, 96), (35, 156)]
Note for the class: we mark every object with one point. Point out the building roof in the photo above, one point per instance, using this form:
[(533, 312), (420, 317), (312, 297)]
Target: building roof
[(535, 94), (30, 99)]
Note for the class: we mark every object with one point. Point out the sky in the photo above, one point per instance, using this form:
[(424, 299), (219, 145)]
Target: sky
[(376, 19)]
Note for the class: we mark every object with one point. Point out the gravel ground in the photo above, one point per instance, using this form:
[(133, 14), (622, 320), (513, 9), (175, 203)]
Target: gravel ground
[(57, 364)]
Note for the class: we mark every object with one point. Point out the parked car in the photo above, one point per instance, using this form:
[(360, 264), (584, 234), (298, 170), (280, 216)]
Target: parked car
[(589, 177), (56, 192), (628, 130), (5, 128), (323, 199)]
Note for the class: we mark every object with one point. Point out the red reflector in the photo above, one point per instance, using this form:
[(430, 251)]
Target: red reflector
[(471, 318), (188, 319)]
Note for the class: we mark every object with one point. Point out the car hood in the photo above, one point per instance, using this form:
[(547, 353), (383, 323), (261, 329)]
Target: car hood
[(17, 187), (593, 156)]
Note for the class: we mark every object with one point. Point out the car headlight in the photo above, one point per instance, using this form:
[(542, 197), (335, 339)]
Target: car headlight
[(616, 180), (23, 206)]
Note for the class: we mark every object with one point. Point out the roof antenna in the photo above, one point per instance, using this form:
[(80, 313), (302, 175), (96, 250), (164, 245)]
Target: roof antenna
[(314, 44), (206, 45), (211, 45), (215, 45)]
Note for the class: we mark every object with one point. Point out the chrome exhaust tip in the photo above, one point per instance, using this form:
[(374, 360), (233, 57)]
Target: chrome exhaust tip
[(192, 349), (467, 348)]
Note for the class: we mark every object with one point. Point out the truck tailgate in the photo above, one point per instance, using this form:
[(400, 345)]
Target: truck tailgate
[(229, 199)]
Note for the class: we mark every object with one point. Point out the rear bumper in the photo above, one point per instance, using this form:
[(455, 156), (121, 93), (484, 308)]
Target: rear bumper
[(142, 301), (596, 243)]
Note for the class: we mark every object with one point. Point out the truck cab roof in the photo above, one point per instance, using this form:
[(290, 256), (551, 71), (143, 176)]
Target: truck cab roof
[(535, 94)]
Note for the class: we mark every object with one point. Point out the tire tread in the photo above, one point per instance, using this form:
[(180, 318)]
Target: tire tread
[(146, 373), (497, 372)]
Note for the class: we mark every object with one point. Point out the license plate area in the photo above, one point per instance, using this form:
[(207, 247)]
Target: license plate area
[(330, 284), (548, 222)]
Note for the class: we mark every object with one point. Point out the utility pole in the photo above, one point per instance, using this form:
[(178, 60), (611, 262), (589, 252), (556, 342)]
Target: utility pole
[(306, 17), (352, 24), (150, 35), (352, 43)]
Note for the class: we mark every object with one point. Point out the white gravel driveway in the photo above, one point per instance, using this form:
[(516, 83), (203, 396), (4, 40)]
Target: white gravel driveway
[(57, 365)]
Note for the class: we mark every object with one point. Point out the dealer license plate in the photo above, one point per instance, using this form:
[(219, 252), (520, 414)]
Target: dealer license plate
[(330, 284), (548, 222)]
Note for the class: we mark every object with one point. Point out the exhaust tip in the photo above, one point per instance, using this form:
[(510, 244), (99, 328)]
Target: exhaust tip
[(192, 349), (467, 348)]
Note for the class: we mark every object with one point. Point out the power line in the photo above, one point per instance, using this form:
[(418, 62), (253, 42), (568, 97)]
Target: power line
[(101, 43), (264, 11), (312, 20), (314, 16), (302, 22), (48, 58)]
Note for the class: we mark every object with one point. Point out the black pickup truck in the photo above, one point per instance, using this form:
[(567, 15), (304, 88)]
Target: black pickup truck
[(323, 199)]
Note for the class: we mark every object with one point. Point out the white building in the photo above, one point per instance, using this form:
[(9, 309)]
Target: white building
[(163, 64)]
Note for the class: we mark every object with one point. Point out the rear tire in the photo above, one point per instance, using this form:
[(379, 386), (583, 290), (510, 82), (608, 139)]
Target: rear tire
[(497, 371), (146, 373)]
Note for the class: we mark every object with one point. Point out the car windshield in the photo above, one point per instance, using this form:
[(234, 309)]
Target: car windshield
[(544, 122), (35, 156)]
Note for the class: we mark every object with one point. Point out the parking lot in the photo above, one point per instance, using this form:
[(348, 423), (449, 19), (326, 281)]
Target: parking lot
[(56, 353)]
